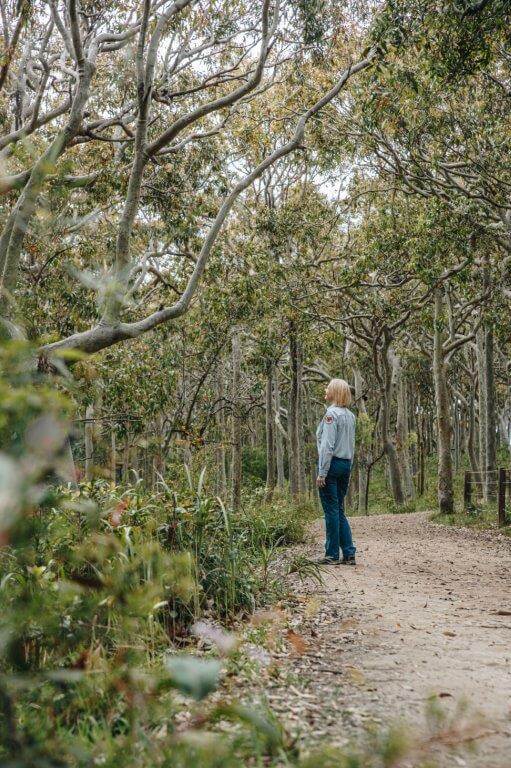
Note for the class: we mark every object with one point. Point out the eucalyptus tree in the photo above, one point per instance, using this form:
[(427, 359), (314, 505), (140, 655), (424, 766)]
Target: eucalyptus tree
[(193, 64), (438, 120), (436, 128)]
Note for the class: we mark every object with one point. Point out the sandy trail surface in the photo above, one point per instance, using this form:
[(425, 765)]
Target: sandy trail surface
[(427, 611)]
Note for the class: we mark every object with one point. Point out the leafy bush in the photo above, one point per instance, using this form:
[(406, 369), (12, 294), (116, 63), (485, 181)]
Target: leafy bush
[(281, 521), (93, 580)]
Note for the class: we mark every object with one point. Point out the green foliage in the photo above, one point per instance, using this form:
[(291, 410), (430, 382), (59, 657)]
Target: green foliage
[(254, 465), (280, 521), (455, 41), (365, 429), (93, 582)]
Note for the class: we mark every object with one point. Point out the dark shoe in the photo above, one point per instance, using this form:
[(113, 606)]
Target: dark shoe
[(327, 561), (349, 560)]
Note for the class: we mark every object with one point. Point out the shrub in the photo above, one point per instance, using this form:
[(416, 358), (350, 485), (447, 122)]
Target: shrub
[(281, 521), (92, 581)]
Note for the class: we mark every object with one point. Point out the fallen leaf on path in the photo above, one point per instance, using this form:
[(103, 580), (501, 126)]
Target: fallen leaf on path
[(449, 633), (445, 695), (297, 641), (503, 613)]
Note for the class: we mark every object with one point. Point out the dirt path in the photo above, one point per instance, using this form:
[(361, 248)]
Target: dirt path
[(419, 615)]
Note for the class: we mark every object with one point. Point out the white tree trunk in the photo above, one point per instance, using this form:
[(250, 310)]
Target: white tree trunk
[(236, 458), (443, 420)]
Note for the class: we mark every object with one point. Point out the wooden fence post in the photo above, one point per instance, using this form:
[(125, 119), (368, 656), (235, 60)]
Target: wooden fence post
[(467, 492), (502, 497)]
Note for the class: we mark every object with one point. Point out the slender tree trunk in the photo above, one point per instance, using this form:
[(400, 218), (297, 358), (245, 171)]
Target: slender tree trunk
[(490, 420), (220, 457), (158, 464), (236, 459), (363, 455), (271, 469), (504, 429), (300, 410), (310, 443), (294, 450), (279, 439), (393, 465), (422, 467), (471, 433), (412, 429), (253, 431), (455, 421), (402, 434), (483, 408), (445, 473)]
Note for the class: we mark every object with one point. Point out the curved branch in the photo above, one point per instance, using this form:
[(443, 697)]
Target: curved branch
[(105, 335)]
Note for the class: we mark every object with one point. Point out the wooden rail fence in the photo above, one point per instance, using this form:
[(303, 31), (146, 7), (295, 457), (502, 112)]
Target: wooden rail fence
[(497, 480)]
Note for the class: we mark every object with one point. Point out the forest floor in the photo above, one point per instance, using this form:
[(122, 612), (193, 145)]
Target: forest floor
[(425, 613)]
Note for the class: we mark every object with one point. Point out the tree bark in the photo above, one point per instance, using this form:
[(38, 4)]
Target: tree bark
[(279, 440), (490, 420), (294, 451), (445, 473), (310, 463), (363, 456), (471, 433), (482, 407), (302, 482), (422, 456), (402, 432), (236, 458), (220, 457), (396, 482), (271, 469)]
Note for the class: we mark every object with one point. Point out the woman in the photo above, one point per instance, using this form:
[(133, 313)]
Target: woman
[(336, 445)]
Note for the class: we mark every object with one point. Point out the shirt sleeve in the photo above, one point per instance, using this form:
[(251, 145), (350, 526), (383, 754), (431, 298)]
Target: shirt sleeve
[(326, 448)]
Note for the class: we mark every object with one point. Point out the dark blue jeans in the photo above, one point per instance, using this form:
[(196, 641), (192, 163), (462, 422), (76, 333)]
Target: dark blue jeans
[(338, 531)]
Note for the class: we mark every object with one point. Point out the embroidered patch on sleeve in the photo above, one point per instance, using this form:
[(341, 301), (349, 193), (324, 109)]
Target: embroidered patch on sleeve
[(329, 419)]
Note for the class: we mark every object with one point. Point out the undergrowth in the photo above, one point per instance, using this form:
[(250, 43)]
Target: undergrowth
[(482, 516), (103, 594)]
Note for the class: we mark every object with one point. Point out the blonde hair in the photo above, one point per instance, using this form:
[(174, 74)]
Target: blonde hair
[(340, 393)]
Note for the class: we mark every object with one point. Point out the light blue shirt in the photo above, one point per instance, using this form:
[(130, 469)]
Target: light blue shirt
[(335, 436)]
